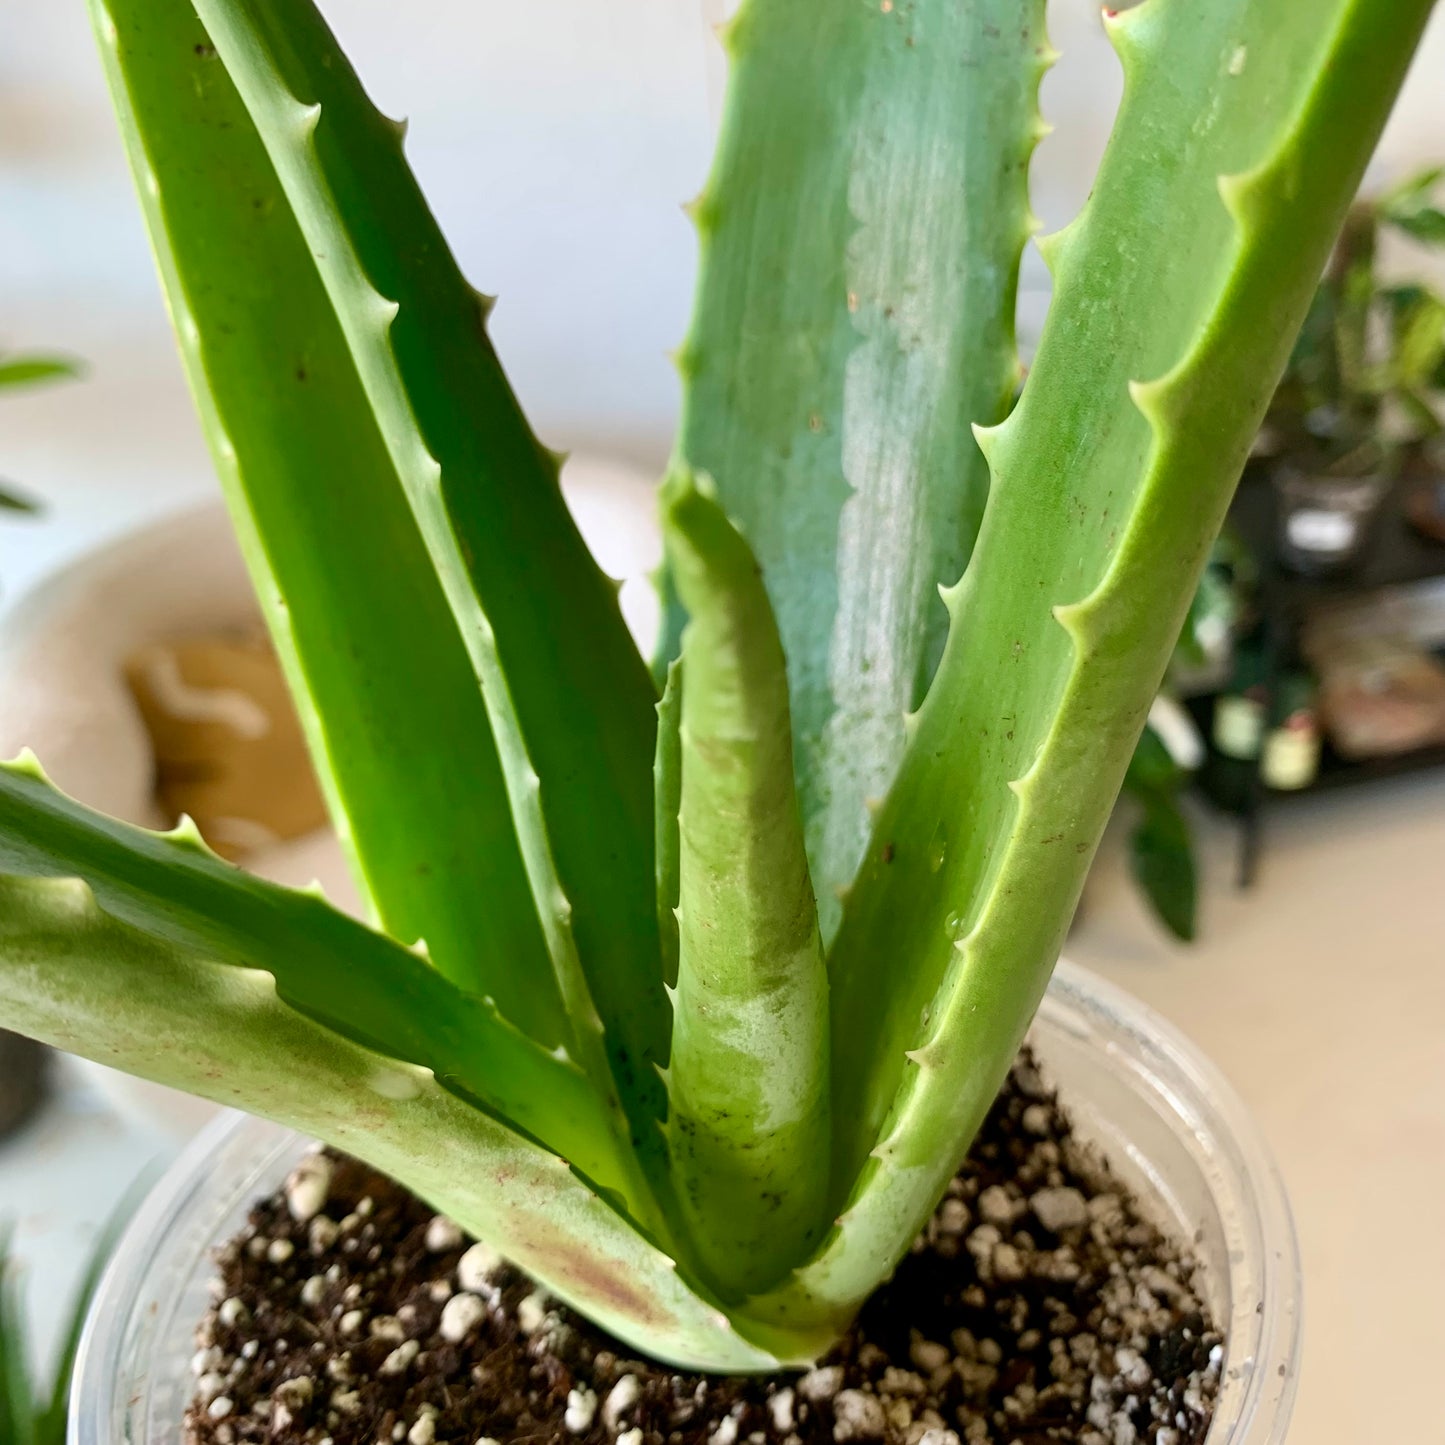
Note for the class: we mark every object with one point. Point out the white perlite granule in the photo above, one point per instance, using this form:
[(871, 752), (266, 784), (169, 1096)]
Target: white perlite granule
[(581, 1410), (461, 1314), (476, 1267), (308, 1187), (443, 1234)]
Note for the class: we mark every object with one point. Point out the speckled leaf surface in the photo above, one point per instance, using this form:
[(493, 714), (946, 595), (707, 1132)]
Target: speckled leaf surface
[(171, 1013), (569, 697), (327, 966), (667, 799), (859, 247), (747, 1080), (1244, 129), (397, 726)]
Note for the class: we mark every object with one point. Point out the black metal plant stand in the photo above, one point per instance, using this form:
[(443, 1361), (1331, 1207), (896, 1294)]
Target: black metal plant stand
[(1394, 554)]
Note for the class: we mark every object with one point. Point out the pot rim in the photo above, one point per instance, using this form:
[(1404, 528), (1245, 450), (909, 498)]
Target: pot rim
[(1265, 1324), (1262, 1321)]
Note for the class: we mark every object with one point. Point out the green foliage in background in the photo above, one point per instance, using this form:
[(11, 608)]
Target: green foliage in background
[(1366, 375), (29, 371), (31, 1412)]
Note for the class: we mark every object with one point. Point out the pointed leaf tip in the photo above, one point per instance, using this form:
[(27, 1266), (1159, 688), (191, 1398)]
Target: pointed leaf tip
[(1070, 616), (188, 834), (1150, 398), (702, 212), (1238, 192), (1052, 248), (308, 117), (1121, 27), (684, 361), (985, 436), (27, 765)]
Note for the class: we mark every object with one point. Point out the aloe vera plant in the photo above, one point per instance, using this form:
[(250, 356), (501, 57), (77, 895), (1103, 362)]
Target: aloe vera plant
[(691, 1004)]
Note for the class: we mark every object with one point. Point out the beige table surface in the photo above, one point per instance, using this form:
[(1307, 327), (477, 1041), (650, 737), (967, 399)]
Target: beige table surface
[(1321, 994)]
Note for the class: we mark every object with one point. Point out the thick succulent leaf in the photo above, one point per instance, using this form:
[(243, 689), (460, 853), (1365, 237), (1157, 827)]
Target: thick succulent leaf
[(1244, 129), (570, 699), (748, 1077), (667, 790), (77, 975), (860, 240), (170, 888), (397, 727)]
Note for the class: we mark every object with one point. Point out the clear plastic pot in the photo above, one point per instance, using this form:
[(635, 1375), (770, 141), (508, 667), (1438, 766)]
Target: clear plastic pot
[(1174, 1131)]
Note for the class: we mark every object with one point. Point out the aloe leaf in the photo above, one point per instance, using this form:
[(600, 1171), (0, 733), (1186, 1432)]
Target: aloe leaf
[(1244, 129), (81, 977), (485, 495), (170, 888), (667, 787), (397, 729), (859, 247), (748, 1076)]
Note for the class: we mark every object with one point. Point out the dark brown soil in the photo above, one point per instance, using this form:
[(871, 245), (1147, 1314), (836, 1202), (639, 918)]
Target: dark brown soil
[(1036, 1309)]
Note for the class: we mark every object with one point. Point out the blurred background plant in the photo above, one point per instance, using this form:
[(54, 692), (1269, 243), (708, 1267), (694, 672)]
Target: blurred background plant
[(1361, 400), (1162, 853), (31, 370), (33, 1410), (1363, 383)]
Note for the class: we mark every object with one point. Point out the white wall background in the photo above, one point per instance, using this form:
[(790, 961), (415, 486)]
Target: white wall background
[(556, 138)]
